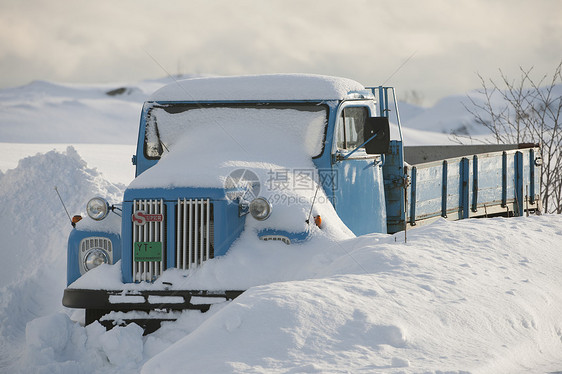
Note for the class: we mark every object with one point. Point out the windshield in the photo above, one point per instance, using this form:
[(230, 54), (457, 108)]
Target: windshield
[(243, 124)]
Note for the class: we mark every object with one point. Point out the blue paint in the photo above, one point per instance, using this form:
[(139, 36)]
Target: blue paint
[(444, 177), (532, 176), (228, 224), (474, 206), (464, 192), (295, 237), (504, 179), (358, 183), (519, 196), (359, 195), (470, 187), (73, 256), (413, 196)]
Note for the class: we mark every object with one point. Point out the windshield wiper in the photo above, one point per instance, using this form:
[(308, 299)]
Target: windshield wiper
[(160, 142)]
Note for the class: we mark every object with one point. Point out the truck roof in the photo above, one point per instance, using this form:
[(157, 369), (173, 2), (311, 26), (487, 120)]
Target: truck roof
[(272, 87)]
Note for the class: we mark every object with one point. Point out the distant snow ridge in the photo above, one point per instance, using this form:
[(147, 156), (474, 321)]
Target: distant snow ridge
[(47, 112), (451, 114), (44, 112), (34, 230)]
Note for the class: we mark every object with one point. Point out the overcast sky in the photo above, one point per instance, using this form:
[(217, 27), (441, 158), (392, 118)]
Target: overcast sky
[(437, 46)]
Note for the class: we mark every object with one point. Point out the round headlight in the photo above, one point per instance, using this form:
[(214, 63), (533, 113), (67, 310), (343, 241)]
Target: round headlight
[(95, 258), (97, 208), (260, 208)]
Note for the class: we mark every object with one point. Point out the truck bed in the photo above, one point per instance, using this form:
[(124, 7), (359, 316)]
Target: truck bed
[(457, 182)]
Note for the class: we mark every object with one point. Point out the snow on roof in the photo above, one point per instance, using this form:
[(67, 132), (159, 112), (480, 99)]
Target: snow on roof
[(259, 87)]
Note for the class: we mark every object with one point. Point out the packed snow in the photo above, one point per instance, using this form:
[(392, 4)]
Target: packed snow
[(478, 296), (260, 87)]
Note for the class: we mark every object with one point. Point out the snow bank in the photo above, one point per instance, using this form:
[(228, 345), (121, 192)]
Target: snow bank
[(473, 296), (33, 211), (113, 161), (35, 229), (55, 344)]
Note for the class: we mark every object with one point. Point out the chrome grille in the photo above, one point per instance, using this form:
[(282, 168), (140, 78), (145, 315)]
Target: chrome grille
[(150, 231), (280, 238), (194, 232), (194, 235)]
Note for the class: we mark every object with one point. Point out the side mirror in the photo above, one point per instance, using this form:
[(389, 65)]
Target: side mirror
[(380, 127)]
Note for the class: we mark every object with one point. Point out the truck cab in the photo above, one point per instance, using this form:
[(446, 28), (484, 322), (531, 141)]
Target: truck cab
[(285, 157)]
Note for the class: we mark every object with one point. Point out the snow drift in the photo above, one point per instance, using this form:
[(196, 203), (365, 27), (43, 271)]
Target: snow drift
[(439, 303), (34, 233), (476, 296)]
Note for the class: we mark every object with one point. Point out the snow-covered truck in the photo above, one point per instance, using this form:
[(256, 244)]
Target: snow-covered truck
[(282, 158)]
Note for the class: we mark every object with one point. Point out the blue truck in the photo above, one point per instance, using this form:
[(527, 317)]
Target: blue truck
[(190, 200)]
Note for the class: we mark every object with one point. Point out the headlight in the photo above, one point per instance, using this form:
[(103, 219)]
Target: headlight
[(260, 208), (95, 258), (97, 208)]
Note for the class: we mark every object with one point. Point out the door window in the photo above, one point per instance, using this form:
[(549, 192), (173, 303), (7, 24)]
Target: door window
[(349, 128)]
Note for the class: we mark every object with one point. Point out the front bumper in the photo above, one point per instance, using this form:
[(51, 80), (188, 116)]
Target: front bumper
[(123, 301)]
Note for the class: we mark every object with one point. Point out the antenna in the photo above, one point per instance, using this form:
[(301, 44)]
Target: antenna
[(64, 206), (313, 201), (400, 67), (191, 96)]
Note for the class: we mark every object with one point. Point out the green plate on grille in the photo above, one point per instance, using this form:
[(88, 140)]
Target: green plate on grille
[(147, 251)]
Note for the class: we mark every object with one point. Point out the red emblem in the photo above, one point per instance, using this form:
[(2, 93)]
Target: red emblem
[(140, 218)]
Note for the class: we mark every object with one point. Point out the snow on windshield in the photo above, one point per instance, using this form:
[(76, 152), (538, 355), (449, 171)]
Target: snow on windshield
[(208, 143), (304, 126)]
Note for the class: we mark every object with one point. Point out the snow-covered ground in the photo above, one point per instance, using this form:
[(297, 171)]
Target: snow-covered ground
[(479, 296)]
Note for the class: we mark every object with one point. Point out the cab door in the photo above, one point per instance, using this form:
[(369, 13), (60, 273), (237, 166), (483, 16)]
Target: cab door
[(358, 190)]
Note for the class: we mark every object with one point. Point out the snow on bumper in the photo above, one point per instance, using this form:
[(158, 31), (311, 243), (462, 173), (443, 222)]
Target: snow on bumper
[(119, 300)]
